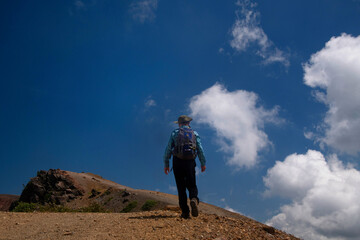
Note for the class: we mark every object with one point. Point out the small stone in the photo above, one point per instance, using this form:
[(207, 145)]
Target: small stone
[(68, 191), (125, 194), (269, 229), (172, 208)]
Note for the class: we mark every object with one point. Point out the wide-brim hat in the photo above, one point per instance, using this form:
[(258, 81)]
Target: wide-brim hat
[(183, 119)]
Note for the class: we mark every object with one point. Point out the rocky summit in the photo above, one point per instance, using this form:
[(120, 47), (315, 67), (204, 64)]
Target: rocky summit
[(54, 186)]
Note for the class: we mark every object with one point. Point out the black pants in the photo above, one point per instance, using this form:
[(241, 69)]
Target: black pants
[(185, 177)]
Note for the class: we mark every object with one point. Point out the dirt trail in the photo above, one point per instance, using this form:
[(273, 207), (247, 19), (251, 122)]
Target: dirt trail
[(141, 225)]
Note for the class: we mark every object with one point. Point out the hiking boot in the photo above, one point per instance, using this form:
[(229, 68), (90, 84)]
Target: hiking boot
[(185, 215), (194, 207)]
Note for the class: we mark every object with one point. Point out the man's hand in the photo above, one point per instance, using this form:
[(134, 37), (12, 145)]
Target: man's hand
[(203, 168), (167, 170)]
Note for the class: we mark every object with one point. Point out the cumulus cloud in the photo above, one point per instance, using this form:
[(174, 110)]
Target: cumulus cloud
[(237, 120), (335, 73), (247, 32), (144, 10), (324, 194)]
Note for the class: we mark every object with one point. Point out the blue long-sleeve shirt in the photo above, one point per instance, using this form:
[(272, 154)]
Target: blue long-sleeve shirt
[(171, 144)]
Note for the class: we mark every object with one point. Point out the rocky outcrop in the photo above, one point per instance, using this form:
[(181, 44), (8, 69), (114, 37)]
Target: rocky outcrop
[(6, 200), (54, 186)]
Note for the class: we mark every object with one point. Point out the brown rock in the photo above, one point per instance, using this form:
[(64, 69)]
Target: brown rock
[(60, 185), (125, 193), (94, 193)]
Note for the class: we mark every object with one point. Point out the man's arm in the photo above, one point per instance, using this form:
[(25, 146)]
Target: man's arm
[(200, 152), (168, 152)]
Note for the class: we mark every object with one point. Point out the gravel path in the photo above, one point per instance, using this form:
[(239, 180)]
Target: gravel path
[(140, 225)]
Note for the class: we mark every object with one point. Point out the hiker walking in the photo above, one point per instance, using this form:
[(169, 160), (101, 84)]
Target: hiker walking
[(185, 145)]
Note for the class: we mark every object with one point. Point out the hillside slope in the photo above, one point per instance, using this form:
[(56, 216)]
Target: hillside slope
[(6, 200), (77, 190), (161, 221)]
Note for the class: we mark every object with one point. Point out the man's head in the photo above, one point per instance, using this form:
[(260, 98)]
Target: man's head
[(183, 120)]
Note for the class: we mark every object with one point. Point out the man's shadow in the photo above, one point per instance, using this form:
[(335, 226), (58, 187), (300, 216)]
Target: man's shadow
[(152, 217)]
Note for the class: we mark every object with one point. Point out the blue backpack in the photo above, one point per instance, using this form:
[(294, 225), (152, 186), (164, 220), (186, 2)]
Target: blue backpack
[(185, 144)]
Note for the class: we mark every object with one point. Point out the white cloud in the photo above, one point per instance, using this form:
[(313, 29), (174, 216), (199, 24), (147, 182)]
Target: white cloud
[(197, 171), (309, 135), (172, 188), (144, 10), (150, 103), (325, 196), (227, 207), (231, 210), (237, 120), (335, 72), (247, 32), (79, 4)]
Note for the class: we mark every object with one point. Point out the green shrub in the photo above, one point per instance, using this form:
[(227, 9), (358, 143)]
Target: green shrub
[(35, 207), (32, 207), (47, 197), (148, 205), (108, 200), (25, 207), (129, 207), (94, 207)]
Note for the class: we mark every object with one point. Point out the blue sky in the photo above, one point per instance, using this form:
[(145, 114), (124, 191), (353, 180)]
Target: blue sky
[(95, 85)]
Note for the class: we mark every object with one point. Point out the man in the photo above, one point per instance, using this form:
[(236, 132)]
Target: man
[(185, 145)]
